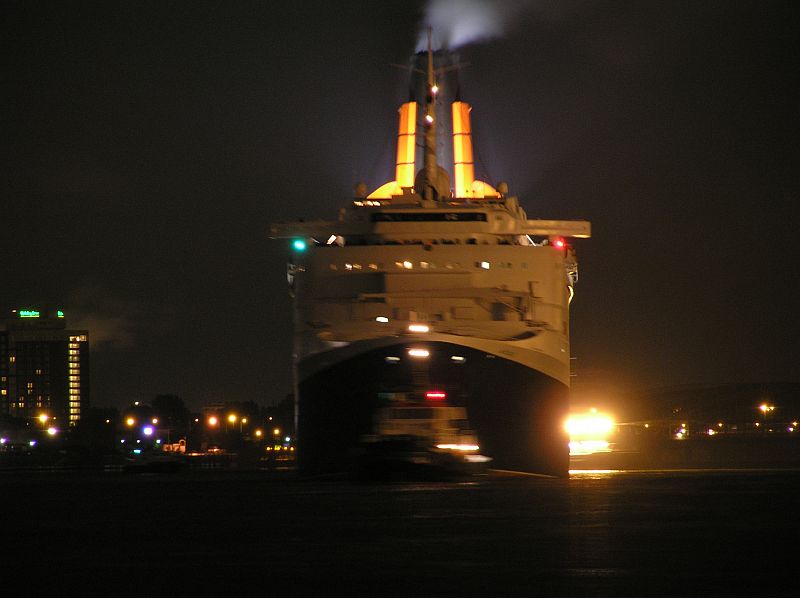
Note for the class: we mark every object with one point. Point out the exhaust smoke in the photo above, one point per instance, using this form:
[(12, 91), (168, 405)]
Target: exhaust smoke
[(457, 23)]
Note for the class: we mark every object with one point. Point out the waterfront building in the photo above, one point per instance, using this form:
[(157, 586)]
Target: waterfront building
[(44, 368)]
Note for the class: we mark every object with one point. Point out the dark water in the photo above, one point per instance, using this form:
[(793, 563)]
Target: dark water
[(223, 533)]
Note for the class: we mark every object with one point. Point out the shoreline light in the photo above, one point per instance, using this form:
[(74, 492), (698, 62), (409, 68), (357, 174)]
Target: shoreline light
[(418, 328), (419, 353)]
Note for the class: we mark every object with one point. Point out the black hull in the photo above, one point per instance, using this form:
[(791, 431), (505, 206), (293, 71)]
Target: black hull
[(517, 412)]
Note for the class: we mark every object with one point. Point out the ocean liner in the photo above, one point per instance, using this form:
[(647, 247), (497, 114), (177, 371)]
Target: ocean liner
[(427, 297)]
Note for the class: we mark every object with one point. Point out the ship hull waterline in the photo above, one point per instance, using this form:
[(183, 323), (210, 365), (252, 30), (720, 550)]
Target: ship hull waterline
[(517, 412)]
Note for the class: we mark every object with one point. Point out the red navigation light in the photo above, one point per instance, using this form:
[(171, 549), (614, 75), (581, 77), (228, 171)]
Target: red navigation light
[(436, 395), (559, 243)]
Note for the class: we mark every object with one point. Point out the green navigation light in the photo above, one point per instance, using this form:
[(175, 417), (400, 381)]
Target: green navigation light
[(299, 245), (59, 313), (28, 313)]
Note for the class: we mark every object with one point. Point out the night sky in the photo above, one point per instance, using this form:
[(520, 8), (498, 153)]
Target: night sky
[(147, 146)]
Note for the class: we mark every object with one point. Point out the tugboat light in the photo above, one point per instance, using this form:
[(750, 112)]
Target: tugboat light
[(299, 245), (559, 243)]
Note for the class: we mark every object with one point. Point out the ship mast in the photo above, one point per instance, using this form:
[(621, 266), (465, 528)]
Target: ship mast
[(430, 165)]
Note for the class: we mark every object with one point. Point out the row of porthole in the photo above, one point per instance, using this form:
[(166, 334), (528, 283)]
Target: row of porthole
[(408, 265)]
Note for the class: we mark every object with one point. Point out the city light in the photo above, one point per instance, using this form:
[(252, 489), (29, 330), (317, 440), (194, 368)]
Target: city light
[(418, 328), (419, 353), (130, 421), (212, 421)]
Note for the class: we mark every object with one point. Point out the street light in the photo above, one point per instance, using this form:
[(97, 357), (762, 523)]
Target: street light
[(765, 409)]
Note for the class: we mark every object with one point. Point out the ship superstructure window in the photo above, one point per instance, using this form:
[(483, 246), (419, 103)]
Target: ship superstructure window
[(428, 217), (484, 265)]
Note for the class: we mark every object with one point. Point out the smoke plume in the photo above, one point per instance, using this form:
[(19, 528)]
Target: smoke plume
[(456, 23)]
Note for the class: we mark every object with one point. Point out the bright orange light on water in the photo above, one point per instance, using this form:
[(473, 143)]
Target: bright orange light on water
[(588, 432)]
